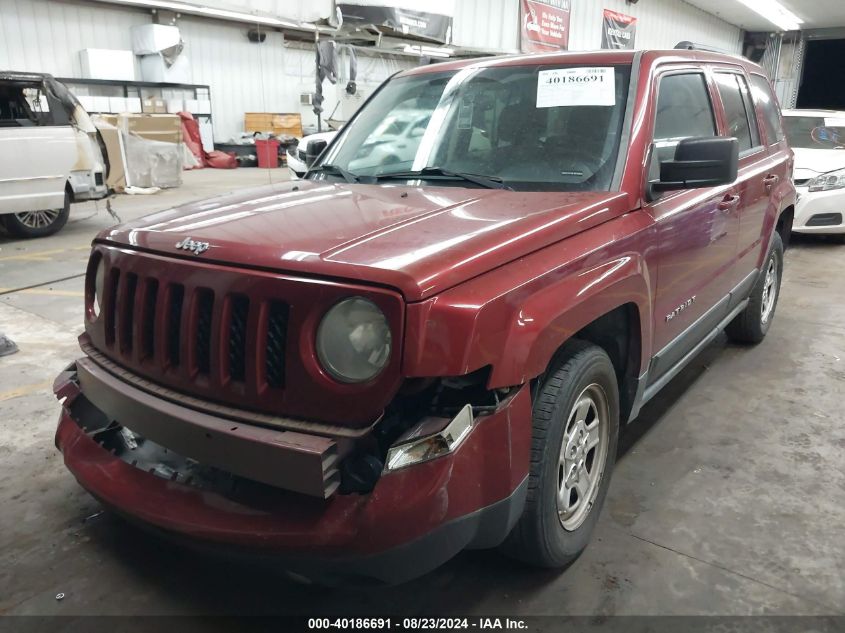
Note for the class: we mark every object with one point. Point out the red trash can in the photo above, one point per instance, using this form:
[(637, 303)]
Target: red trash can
[(268, 153)]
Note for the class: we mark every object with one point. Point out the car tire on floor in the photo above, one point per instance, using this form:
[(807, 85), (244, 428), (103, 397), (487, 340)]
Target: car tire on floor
[(574, 439), (750, 325), (29, 224)]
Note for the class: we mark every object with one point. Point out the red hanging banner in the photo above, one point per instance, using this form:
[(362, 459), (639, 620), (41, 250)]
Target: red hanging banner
[(544, 25)]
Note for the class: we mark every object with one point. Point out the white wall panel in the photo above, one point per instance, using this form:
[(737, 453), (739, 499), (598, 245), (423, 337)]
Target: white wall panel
[(47, 35), (304, 10), (660, 24), (494, 24), (491, 25)]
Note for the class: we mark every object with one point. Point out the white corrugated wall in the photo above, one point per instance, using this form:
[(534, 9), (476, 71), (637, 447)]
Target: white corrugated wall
[(487, 24), (47, 35), (494, 24)]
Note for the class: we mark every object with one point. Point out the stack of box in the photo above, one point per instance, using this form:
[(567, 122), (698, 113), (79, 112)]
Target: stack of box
[(145, 150), (149, 41), (277, 123), (102, 63)]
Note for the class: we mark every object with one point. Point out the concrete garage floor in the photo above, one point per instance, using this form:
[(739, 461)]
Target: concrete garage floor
[(728, 497)]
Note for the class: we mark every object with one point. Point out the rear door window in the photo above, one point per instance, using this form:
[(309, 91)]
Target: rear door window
[(768, 105), (741, 119), (684, 110)]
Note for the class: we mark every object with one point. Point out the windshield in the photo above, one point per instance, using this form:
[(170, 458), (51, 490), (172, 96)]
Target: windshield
[(810, 132), (531, 128)]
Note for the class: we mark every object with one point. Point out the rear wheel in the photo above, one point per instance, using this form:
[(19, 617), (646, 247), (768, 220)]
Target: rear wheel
[(575, 431), (752, 324), (37, 223)]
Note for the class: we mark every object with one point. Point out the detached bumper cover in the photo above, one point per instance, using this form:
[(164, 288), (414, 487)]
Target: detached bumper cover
[(414, 520)]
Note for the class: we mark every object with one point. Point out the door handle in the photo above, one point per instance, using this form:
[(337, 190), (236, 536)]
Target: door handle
[(771, 180), (728, 203)]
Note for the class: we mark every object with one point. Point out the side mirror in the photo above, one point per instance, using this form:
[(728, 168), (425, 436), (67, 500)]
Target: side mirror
[(699, 163), (313, 151)]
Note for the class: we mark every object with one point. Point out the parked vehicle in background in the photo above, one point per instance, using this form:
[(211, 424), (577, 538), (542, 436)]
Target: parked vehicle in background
[(297, 155), (818, 139), (50, 154), (394, 141), (366, 371)]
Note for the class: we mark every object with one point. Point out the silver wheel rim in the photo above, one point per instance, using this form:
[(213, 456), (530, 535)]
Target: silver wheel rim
[(770, 291), (583, 454), (38, 219)]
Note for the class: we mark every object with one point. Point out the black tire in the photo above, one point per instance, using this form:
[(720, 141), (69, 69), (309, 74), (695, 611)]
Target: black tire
[(750, 325), (539, 537), (22, 225)]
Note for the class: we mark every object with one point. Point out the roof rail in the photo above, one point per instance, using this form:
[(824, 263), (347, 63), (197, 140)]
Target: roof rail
[(692, 46)]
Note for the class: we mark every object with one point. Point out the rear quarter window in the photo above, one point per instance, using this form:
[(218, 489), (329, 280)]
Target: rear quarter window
[(742, 122), (768, 105)]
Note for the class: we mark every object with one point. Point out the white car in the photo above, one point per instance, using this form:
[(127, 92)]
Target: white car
[(296, 154), (50, 154), (818, 139), (394, 142)]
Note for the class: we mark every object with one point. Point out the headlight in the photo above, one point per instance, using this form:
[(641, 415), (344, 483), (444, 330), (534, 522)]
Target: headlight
[(99, 285), (826, 182), (353, 340)]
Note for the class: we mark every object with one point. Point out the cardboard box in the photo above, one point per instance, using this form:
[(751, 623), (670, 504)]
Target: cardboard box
[(101, 104), (277, 123), (154, 69), (154, 127), (102, 63), (117, 104), (148, 39), (153, 105), (114, 151)]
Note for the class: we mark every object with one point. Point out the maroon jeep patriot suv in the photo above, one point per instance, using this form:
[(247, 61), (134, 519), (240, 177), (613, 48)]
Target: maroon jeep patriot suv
[(430, 343)]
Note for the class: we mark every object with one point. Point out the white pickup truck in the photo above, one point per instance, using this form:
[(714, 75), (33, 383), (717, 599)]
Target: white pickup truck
[(50, 154)]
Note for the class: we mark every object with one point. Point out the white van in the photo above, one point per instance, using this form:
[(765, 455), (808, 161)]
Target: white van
[(50, 154)]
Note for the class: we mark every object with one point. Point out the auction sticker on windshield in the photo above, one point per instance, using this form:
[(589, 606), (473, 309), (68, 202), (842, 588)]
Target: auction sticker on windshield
[(576, 87)]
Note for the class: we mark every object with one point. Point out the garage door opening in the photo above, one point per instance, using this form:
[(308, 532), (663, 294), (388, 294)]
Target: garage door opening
[(823, 81)]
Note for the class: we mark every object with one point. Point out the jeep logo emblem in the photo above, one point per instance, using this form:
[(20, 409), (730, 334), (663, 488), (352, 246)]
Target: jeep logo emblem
[(197, 248)]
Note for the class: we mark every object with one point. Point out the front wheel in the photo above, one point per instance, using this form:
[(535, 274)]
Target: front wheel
[(575, 432), (752, 324), (29, 224)]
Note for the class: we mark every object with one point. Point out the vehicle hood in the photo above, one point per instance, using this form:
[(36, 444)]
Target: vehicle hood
[(809, 163), (417, 240)]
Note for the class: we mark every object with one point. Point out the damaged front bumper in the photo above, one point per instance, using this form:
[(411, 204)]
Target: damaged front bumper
[(272, 492)]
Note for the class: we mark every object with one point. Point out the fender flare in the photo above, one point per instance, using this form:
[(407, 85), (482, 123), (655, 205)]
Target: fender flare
[(592, 294)]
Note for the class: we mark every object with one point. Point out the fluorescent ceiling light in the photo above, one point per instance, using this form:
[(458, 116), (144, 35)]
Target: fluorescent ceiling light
[(775, 13), (198, 9), (430, 51)]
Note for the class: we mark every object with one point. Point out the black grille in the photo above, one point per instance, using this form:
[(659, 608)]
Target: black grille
[(277, 326), (825, 219), (205, 304), (127, 310), (148, 319), (111, 306), (199, 337), (237, 337), (800, 182), (174, 323)]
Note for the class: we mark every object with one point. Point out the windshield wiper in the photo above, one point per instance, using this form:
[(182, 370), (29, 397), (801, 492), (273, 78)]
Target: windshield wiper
[(335, 170), (489, 182)]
